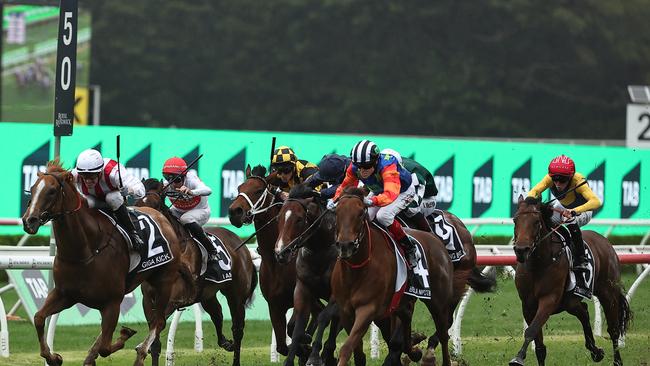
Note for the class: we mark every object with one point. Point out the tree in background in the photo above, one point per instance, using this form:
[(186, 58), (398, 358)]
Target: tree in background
[(445, 68)]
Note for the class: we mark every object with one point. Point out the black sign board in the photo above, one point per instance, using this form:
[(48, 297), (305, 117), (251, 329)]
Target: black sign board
[(66, 67)]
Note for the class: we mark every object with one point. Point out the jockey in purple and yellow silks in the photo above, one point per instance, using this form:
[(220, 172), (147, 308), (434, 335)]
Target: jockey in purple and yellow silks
[(576, 206), (391, 189)]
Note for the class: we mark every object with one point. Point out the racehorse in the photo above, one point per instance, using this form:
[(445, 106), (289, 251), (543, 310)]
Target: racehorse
[(305, 227), (238, 291), (256, 202), (91, 265), (542, 275), (364, 276)]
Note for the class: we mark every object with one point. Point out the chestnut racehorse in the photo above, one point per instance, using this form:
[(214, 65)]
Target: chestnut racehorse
[(542, 275), (91, 265), (238, 291), (363, 280)]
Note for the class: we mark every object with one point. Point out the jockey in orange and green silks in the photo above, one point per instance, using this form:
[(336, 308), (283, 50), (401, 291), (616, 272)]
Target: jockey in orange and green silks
[(576, 206), (392, 188)]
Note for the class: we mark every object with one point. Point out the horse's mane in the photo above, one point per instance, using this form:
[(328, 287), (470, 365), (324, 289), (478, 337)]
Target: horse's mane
[(301, 191), (55, 166), (544, 208), (259, 171), (152, 184), (355, 191)]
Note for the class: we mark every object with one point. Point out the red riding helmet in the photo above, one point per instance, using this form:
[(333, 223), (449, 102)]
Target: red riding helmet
[(174, 165), (562, 165)]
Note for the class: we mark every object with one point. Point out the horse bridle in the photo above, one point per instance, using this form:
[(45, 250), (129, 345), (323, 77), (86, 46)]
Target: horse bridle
[(46, 215), (300, 240), (255, 209), (538, 237), (361, 233)]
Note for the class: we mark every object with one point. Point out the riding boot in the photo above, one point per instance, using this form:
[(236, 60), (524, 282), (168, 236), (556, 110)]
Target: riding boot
[(122, 216), (579, 255), (197, 232), (421, 222), (405, 242)]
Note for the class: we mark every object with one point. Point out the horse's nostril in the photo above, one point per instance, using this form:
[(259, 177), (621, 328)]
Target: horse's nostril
[(32, 220)]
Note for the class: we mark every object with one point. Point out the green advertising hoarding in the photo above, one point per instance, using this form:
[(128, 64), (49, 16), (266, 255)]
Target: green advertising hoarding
[(475, 178), (31, 286)]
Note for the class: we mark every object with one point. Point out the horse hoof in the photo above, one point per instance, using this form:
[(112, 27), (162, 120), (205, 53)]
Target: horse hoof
[(429, 358), (227, 344), (415, 354), (56, 360), (598, 355), (517, 361), (417, 337), (282, 349), (126, 333), (314, 361)]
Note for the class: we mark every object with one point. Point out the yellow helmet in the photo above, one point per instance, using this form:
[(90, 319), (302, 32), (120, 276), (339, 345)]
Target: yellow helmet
[(283, 155)]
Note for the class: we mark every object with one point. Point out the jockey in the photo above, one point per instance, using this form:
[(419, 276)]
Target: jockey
[(331, 170), (98, 179), (193, 211), (391, 188), (576, 207), (424, 201), (290, 169)]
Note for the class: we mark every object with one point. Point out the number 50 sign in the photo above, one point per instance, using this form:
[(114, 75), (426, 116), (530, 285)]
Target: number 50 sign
[(66, 68), (637, 132)]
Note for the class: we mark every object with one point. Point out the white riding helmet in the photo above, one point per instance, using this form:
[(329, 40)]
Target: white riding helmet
[(90, 161)]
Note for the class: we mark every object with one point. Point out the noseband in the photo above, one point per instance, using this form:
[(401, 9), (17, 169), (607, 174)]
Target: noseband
[(300, 240), (361, 233), (256, 208), (538, 237)]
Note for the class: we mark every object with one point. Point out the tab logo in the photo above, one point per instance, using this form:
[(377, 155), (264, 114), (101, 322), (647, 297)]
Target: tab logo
[(596, 181), (444, 178), (37, 285), (520, 184), (232, 175), (32, 164), (482, 188), (631, 192)]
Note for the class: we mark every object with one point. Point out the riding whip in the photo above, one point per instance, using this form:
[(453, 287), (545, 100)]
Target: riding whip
[(119, 172), (559, 197), (272, 150)]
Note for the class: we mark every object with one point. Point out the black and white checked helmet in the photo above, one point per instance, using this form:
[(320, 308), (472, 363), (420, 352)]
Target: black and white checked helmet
[(365, 151)]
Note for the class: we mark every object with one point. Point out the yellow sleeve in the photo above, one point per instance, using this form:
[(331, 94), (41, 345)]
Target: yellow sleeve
[(540, 187), (593, 202)]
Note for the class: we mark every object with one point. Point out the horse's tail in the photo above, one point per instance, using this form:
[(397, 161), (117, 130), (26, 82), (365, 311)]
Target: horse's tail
[(624, 313), (482, 283), (251, 295)]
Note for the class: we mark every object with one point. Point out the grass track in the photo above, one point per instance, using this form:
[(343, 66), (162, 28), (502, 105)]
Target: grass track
[(492, 333)]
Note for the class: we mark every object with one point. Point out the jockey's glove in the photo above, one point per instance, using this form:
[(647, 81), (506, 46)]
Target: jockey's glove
[(368, 201)]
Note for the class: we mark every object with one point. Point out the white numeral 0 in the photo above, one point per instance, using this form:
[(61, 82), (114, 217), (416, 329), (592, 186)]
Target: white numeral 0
[(65, 73)]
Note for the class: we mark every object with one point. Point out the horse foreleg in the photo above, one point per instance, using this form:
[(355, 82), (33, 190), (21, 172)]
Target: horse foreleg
[(301, 308), (102, 346), (325, 318), (545, 307), (238, 315), (212, 306), (362, 320), (156, 322), (279, 323), (54, 303)]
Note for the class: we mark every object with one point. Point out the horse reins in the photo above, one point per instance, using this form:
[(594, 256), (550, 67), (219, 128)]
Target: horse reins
[(255, 208), (48, 216), (297, 243), (360, 236), (538, 239)]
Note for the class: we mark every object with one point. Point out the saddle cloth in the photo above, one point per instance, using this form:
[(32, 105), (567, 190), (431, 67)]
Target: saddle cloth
[(156, 251), (587, 276), (448, 234), (223, 271)]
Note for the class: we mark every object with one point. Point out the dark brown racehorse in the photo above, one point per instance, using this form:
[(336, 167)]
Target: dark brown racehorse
[(256, 202), (238, 291), (306, 228), (92, 263), (542, 275), (363, 280)]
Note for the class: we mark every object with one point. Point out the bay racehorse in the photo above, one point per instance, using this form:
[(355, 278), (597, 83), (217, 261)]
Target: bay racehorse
[(542, 275), (306, 231), (238, 290), (364, 276), (256, 202), (91, 265)]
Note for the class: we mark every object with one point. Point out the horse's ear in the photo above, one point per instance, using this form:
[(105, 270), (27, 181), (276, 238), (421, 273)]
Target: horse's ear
[(521, 199), (142, 180), (248, 170)]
